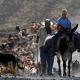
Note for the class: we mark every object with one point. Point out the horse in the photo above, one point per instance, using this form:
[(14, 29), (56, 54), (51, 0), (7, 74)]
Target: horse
[(63, 44), (5, 58)]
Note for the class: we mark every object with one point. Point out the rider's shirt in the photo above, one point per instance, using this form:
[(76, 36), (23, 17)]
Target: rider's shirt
[(65, 22)]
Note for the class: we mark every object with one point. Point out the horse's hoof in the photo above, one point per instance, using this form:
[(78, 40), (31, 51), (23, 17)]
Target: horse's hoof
[(69, 75), (59, 74), (64, 74)]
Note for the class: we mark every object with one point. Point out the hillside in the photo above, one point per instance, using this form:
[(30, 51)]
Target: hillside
[(23, 12)]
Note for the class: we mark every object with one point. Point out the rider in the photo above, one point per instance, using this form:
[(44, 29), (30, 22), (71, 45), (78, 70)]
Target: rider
[(63, 21), (42, 34)]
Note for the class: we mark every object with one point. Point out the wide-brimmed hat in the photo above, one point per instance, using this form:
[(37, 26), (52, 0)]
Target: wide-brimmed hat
[(47, 21)]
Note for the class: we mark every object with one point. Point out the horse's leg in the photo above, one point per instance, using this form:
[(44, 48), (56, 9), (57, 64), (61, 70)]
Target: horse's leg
[(58, 60), (69, 67), (64, 68)]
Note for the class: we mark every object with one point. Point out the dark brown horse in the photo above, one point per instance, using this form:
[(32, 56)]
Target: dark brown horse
[(63, 46)]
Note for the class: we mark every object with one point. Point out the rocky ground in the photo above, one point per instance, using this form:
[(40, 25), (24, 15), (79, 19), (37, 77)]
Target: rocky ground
[(24, 75), (35, 77)]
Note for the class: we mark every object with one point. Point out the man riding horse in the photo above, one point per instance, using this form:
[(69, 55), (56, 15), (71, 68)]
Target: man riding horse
[(64, 22), (64, 28)]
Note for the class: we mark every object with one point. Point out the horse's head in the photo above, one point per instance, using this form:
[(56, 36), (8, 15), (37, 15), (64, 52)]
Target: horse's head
[(67, 39), (69, 33)]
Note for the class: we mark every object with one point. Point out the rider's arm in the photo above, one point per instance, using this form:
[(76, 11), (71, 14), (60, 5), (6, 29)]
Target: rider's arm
[(58, 24)]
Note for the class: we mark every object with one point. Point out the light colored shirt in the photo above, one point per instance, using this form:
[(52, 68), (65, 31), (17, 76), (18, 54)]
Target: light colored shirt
[(42, 35)]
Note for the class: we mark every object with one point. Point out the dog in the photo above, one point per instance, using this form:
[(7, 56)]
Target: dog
[(5, 58)]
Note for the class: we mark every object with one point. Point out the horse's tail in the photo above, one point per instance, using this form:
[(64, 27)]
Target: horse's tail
[(19, 66)]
